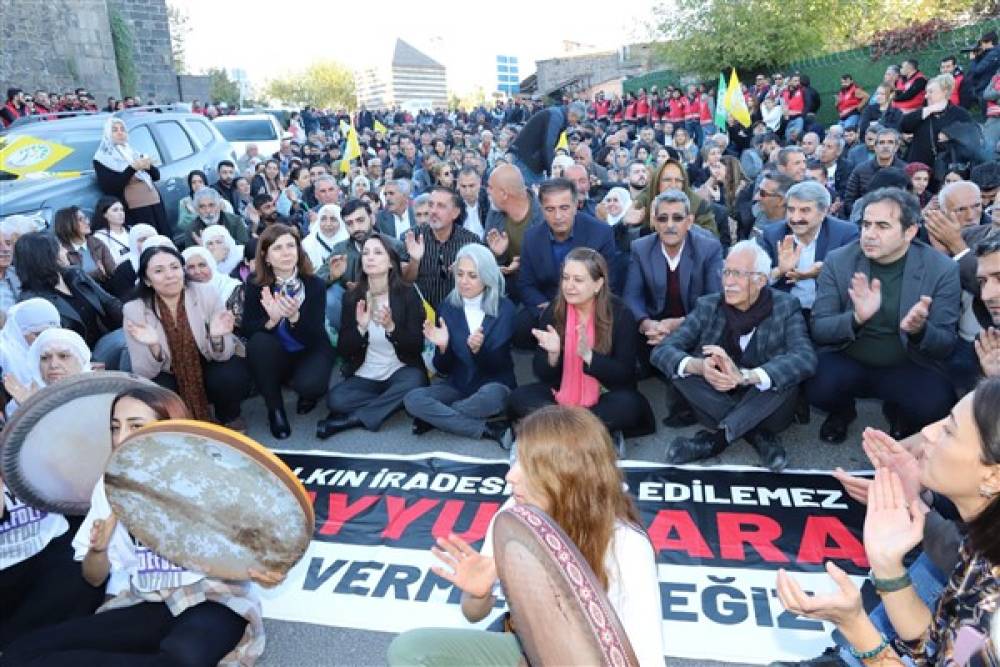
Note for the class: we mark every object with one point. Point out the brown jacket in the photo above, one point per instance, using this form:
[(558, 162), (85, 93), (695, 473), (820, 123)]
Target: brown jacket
[(201, 302), (102, 258)]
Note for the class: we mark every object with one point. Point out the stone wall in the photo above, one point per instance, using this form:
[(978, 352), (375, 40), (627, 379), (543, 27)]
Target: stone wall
[(57, 45), (592, 69), (152, 55), (193, 87)]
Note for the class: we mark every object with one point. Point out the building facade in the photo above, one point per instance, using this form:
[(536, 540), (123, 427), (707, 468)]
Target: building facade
[(409, 77)]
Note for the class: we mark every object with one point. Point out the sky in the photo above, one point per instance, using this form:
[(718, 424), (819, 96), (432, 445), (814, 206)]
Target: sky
[(268, 38)]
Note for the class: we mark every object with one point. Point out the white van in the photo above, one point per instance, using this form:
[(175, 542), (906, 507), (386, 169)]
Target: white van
[(262, 129)]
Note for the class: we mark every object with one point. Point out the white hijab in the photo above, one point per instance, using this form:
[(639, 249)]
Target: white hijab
[(60, 339), (625, 197), (137, 232), (118, 157), (223, 283), (235, 254), (32, 316), (311, 244)]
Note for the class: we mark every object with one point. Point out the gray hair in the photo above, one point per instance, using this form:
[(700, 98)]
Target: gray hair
[(786, 151), (837, 138), (489, 273), (810, 191), (672, 196), (207, 193), (952, 188), (761, 260), (21, 224), (403, 185), (422, 199), (888, 130), (363, 180), (578, 109), (326, 178)]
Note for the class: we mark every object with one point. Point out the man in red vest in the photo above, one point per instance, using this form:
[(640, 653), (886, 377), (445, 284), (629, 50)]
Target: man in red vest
[(692, 115), (909, 87), (850, 100), (949, 65), (14, 108), (793, 105)]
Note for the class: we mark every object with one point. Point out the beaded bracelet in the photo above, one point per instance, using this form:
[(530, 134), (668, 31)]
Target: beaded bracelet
[(868, 655)]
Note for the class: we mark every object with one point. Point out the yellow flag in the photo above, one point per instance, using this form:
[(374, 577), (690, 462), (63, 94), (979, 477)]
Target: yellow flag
[(26, 155), (379, 127), (734, 102), (353, 149), (563, 142)]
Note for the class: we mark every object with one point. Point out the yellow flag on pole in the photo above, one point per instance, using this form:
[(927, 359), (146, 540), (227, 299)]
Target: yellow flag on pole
[(379, 127), (734, 103), (563, 142), (352, 151)]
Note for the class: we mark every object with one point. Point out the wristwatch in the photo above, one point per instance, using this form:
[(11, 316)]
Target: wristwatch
[(747, 377)]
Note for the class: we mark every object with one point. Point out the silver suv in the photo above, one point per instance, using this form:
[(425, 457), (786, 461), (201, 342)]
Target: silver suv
[(177, 140)]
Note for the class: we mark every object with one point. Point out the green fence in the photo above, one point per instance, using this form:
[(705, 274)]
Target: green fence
[(824, 71)]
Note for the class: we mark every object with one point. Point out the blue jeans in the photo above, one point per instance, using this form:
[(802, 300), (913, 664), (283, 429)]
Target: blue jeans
[(795, 125), (334, 304), (110, 350), (530, 177), (928, 582)]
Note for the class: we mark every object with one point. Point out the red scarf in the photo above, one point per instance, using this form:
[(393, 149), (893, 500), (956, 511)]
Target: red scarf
[(576, 387)]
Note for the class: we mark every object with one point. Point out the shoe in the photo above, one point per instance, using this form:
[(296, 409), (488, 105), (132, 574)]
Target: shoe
[(278, 420), (681, 415), (829, 658), (420, 427), (499, 432), (305, 405), (802, 410), (768, 446), (334, 424), (703, 445), (834, 428), (239, 425), (898, 427)]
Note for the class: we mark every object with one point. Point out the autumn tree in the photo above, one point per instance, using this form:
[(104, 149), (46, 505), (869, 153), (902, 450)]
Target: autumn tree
[(324, 84)]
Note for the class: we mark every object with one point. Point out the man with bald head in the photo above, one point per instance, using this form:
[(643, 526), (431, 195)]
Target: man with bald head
[(514, 209)]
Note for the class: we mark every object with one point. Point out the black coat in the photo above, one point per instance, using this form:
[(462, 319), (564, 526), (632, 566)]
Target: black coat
[(924, 146), (310, 330), (113, 183), (107, 307), (407, 337)]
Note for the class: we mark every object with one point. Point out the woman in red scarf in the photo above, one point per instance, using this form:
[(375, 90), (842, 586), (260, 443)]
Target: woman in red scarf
[(586, 351)]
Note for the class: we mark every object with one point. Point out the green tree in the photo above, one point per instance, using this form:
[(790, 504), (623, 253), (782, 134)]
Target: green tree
[(223, 89), (324, 83), (179, 23)]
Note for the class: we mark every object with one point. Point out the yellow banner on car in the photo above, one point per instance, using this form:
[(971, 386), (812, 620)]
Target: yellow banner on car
[(28, 154)]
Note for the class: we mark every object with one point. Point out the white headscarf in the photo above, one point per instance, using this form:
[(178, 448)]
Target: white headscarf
[(137, 232), (311, 243), (118, 157), (27, 317), (625, 197), (223, 283), (227, 265), (60, 339)]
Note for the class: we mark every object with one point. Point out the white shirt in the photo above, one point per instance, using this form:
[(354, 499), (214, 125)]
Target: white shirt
[(402, 223), (673, 262), (765, 379), (473, 222), (24, 530), (474, 313), (633, 588), (132, 563), (380, 358), (117, 243), (805, 290)]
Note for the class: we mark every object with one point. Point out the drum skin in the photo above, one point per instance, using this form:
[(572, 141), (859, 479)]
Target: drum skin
[(209, 499), (559, 611), (55, 446)]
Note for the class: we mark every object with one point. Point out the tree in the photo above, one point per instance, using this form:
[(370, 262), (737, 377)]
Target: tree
[(705, 36), (179, 22), (324, 83), (223, 89)]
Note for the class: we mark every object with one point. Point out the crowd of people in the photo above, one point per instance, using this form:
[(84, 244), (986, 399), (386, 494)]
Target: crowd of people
[(757, 271)]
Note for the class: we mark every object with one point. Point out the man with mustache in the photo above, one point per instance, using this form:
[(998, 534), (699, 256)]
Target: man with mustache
[(887, 312)]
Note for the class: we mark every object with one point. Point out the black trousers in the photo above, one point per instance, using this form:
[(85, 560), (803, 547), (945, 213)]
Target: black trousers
[(44, 590), (227, 383), (144, 635), (623, 410), (271, 366), (525, 320), (741, 411)]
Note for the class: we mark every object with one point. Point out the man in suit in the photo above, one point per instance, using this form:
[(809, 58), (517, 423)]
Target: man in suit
[(670, 270), (738, 359), (545, 246), (397, 217), (798, 246), (887, 311)]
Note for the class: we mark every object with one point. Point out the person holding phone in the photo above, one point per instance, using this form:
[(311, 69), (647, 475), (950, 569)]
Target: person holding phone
[(283, 321)]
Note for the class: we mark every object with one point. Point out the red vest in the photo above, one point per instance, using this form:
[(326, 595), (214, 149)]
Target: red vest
[(15, 114), (678, 108), (901, 86), (795, 102), (847, 100), (706, 110), (692, 111), (642, 107), (655, 109), (630, 111), (601, 108), (955, 90), (618, 112)]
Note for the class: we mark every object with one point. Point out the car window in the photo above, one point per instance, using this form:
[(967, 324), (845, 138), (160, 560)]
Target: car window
[(247, 130), (141, 141), (82, 142), (178, 144), (201, 131)]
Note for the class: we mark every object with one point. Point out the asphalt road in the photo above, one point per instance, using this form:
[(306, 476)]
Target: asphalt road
[(306, 645)]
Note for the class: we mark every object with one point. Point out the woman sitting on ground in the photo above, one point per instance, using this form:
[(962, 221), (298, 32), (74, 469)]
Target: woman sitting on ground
[(381, 338), (218, 241), (109, 227), (180, 336), (586, 352), (472, 349), (126, 275), (200, 267), (564, 461), (72, 227)]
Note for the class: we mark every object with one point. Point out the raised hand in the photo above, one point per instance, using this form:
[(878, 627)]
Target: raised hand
[(893, 526), (809, 274), (885, 452), (338, 265), (856, 487), (548, 339), (497, 241), (271, 305), (101, 532), (468, 569), (839, 607), (946, 229), (383, 317), (222, 324), (988, 351), (913, 322), (142, 333), (788, 255), (634, 216), (436, 335), (415, 246), (514, 265), (363, 315), (866, 297), (475, 340), (18, 391)]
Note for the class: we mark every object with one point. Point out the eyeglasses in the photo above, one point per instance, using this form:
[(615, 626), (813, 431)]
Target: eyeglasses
[(676, 217), (737, 273)]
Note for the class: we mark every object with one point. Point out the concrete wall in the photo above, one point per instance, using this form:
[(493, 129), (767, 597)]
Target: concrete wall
[(57, 45), (593, 68), (151, 34)]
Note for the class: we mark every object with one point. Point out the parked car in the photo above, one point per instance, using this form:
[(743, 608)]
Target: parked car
[(262, 129), (177, 140)]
